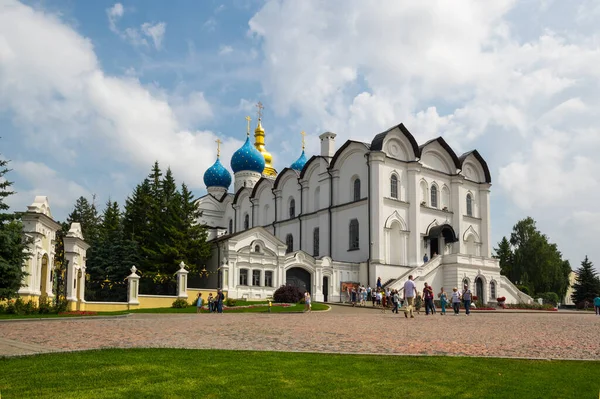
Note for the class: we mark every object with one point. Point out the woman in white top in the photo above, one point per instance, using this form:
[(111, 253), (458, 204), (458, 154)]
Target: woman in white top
[(455, 300)]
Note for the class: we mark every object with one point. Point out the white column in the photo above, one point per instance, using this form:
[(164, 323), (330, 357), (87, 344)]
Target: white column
[(486, 230), (133, 286), (378, 182), (458, 201), (81, 284), (182, 281), (414, 213)]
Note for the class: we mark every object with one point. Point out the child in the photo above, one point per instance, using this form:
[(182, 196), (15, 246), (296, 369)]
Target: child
[(443, 300), (199, 302), (455, 301), (211, 303)]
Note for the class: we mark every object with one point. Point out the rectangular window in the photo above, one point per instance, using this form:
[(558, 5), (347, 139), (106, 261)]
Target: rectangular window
[(243, 276), (316, 242), (255, 277), (268, 279), (394, 187), (353, 234)]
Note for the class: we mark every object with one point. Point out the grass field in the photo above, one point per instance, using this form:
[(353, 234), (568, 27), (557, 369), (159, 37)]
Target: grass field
[(181, 373), (261, 307)]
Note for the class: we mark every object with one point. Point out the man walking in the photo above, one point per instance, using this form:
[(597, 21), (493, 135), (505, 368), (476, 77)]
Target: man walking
[(466, 296), (428, 294), (410, 291)]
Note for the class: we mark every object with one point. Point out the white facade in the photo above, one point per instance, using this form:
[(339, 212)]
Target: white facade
[(363, 211)]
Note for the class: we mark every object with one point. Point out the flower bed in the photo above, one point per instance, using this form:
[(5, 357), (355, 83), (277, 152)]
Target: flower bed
[(78, 313), (262, 305), (531, 306)]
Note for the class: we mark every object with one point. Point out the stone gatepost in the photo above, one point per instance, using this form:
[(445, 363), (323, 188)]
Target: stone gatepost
[(182, 281), (75, 255), (133, 287)]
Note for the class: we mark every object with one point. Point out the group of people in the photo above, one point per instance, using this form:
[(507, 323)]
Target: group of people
[(414, 299), (215, 304)]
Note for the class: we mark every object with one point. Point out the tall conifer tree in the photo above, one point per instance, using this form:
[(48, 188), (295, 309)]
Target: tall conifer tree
[(587, 284)]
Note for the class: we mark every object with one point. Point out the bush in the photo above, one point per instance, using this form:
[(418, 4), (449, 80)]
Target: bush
[(180, 303), (550, 298), (29, 307), (230, 302), (44, 306), (288, 294), (524, 289), (60, 306), (531, 306)]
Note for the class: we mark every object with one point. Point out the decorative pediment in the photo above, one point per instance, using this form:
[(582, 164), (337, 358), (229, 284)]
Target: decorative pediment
[(40, 205), (75, 231)]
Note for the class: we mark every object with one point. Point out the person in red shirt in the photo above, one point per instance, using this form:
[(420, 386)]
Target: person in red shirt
[(428, 296)]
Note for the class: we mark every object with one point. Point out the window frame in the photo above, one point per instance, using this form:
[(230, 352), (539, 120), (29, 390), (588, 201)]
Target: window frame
[(316, 241), (243, 275), (268, 278), (246, 221), (289, 242), (469, 200), (433, 196), (254, 275), (356, 187), (292, 208), (230, 226), (353, 235), (394, 187)]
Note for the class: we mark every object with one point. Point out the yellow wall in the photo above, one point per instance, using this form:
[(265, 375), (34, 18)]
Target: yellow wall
[(155, 301), (108, 306), (192, 293)]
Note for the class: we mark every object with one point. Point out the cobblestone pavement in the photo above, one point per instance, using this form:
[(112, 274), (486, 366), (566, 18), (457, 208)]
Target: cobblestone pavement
[(343, 329)]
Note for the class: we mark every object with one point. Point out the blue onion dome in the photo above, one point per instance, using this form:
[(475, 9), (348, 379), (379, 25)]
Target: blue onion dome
[(247, 158), (300, 162), (217, 176)]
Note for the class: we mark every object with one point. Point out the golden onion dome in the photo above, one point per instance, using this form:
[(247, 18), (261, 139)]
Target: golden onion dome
[(259, 144)]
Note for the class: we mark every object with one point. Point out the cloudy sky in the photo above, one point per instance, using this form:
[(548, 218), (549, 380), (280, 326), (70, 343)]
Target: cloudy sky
[(93, 92)]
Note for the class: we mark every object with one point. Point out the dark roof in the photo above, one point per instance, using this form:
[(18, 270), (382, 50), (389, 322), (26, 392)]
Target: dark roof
[(446, 147), (280, 175), (262, 179), (311, 159), (445, 230), (339, 152), (475, 153), (377, 143)]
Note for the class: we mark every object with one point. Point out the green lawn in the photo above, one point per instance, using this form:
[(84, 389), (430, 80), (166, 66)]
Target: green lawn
[(181, 373), (189, 309)]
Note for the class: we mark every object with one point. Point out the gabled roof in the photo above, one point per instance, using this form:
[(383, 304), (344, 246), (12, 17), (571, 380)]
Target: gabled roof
[(260, 229), (307, 164), (377, 143), (446, 147), (340, 151), (239, 192), (280, 176), (258, 183), (475, 153)]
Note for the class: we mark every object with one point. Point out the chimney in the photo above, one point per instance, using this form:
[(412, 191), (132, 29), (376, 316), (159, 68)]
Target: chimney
[(327, 144)]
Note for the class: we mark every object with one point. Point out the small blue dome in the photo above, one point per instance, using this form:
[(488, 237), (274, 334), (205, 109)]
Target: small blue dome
[(217, 176), (247, 158), (300, 162)]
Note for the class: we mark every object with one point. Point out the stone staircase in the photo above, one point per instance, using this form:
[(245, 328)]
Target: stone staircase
[(419, 273)]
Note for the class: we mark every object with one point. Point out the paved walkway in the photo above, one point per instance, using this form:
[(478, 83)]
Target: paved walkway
[(341, 330)]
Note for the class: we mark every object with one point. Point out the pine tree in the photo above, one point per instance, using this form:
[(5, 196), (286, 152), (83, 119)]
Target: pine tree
[(197, 250), (587, 284), (86, 214), (136, 223), (13, 245), (505, 255)]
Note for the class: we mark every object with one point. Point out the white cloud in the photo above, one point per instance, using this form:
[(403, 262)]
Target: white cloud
[(223, 50), (134, 36), (76, 112), (156, 32), (529, 105)]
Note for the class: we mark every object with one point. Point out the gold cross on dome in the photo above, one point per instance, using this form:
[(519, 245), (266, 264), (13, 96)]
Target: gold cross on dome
[(218, 141), (260, 108), (248, 119), (303, 134)]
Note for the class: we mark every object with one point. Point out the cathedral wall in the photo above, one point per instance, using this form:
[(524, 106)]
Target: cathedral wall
[(350, 166), (290, 190), (265, 206), (341, 232)]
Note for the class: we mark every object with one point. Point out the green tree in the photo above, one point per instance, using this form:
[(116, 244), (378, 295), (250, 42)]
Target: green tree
[(536, 263), (13, 244), (505, 255), (196, 249), (85, 213), (587, 284)]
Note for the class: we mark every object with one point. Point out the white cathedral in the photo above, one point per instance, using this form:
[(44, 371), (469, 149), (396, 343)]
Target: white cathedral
[(353, 214)]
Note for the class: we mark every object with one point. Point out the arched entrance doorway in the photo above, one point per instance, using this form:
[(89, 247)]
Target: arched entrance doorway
[(325, 288), (479, 289), (298, 277), (44, 277), (435, 235)]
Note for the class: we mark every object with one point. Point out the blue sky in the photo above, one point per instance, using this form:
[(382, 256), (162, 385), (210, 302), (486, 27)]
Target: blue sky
[(92, 92)]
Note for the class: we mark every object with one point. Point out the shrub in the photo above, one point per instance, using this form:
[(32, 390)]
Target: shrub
[(2, 308), (60, 306), (531, 306), (550, 298), (230, 302), (524, 289), (180, 303), (29, 307), (44, 306), (288, 294)]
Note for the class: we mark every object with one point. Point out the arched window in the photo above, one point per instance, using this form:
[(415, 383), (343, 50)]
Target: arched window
[(492, 290), (257, 248), (434, 196), (353, 234), (230, 226), (356, 189), (316, 242), (292, 208), (246, 221), (289, 241), (469, 205), (394, 186)]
